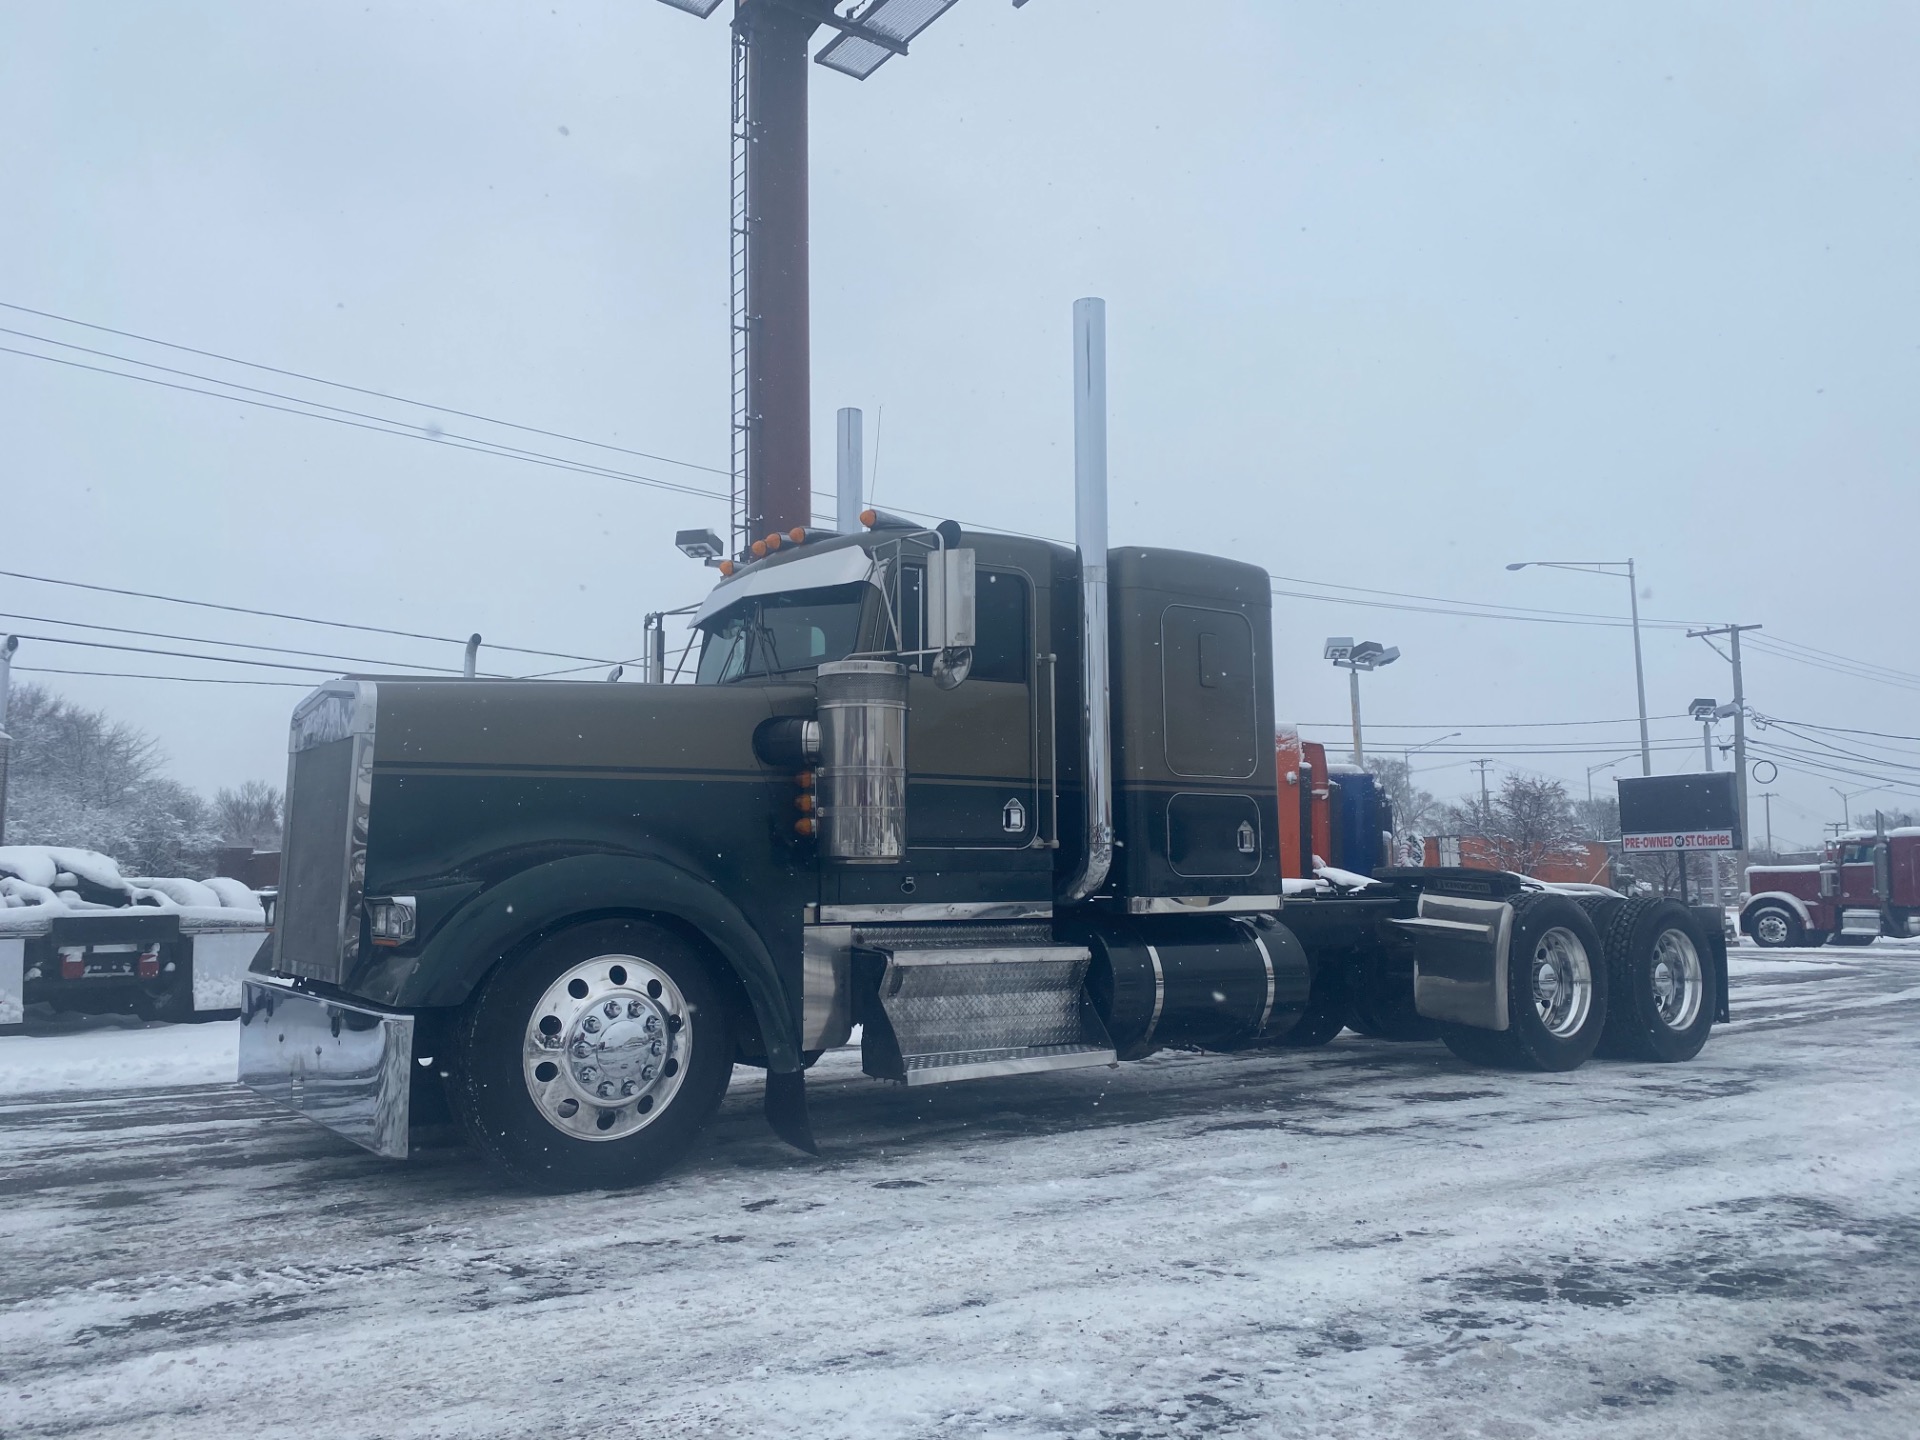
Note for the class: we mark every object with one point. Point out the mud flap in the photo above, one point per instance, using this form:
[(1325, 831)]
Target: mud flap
[(786, 1106), (1460, 959)]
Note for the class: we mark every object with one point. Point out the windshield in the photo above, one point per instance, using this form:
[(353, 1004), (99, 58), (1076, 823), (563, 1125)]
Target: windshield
[(776, 634)]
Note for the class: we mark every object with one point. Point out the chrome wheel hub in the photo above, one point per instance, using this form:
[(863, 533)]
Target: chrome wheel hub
[(1562, 982), (1771, 928), (606, 1047), (1677, 985)]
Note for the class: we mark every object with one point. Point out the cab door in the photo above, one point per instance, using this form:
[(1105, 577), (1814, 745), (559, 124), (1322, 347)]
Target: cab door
[(972, 762)]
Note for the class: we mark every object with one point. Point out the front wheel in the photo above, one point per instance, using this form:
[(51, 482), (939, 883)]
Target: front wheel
[(1556, 992), (592, 1060), (1775, 927)]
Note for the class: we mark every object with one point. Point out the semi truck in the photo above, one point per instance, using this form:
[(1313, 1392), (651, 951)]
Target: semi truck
[(1004, 806), (1866, 886)]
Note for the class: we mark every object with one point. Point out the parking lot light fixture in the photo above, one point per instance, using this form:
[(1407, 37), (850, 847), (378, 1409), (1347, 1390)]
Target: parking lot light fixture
[(1623, 569)]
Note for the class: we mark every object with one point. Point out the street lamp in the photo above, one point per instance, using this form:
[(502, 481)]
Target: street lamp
[(1593, 770), (1847, 797), (1352, 658), (1625, 571)]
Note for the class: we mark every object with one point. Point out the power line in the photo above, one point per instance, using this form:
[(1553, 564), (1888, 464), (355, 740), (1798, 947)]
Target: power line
[(358, 389), (234, 644), (182, 679), (183, 654), (385, 427), (405, 429), (301, 619), (1479, 725)]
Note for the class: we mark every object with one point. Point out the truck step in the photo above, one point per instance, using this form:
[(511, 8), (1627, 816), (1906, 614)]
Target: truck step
[(961, 1013)]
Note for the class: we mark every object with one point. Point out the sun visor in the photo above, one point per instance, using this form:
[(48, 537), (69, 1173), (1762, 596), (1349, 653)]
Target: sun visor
[(808, 572)]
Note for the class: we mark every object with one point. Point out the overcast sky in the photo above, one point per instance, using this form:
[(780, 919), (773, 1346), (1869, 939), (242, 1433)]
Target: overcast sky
[(1397, 293)]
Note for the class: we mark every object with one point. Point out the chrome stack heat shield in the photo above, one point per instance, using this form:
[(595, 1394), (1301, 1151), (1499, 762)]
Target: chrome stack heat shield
[(862, 708)]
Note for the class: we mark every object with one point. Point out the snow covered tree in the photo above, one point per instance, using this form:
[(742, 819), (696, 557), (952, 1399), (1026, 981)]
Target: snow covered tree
[(81, 778)]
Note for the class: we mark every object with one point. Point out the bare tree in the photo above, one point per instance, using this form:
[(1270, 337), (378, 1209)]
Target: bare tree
[(1414, 809), (1528, 823), (249, 815)]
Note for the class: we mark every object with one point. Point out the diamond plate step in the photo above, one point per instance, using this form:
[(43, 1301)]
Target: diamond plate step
[(961, 1013)]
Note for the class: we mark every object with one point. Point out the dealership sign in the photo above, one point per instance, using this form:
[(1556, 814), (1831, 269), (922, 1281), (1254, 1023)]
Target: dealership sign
[(1680, 840), (1679, 812)]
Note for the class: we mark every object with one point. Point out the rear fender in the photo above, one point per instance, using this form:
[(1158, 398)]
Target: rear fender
[(503, 918), (1460, 959)]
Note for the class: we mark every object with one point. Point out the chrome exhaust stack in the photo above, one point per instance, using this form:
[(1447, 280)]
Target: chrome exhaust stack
[(1090, 536)]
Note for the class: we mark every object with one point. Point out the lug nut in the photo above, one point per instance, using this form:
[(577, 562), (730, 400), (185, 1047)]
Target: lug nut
[(653, 1024), (635, 1009), (611, 1009), (627, 1087), (581, 1050), (657, 1047), (591, 1024), (646, 1072), (586, 1073), (604, 1089)]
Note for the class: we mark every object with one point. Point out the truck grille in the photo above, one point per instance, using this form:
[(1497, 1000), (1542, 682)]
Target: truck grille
[(329, 791)]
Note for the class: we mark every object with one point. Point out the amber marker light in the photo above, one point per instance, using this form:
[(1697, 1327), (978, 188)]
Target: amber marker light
[(867, 517), (797, 535), (759, 549), (773, 542), (726, 567), (803, 826)]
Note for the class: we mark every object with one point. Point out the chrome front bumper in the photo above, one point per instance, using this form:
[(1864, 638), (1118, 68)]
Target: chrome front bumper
[(343, 1066)]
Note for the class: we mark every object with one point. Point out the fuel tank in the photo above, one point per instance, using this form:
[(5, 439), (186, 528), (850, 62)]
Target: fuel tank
[(1200, 983)]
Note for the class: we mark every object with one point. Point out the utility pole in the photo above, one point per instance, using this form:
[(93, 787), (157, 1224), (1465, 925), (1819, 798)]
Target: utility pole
[(11, 644), (1767, 796), (1486, 803), (1733, 633)]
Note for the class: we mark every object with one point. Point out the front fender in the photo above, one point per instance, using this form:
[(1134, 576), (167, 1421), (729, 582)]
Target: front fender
[(505, 916), (1792, 902)]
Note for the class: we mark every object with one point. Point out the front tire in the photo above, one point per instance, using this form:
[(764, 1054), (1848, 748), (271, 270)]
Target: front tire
[(1775, 927), (1556, 992), (592, 1060)]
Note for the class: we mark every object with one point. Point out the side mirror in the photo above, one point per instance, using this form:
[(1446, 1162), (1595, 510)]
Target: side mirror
[(950, 600), (950, 615)]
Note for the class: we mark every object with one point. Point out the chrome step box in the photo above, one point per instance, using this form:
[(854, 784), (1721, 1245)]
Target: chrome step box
[(941, 1013)]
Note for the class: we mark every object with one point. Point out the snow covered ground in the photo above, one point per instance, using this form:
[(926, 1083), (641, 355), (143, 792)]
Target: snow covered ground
[(1368, 1240)]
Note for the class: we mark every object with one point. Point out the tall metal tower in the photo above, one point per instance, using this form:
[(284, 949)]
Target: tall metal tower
[(772, 384)]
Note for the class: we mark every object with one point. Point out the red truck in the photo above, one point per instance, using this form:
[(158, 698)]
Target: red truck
[(1868, 885)]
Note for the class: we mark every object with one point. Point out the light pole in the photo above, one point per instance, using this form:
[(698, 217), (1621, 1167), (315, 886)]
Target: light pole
[(1352, 658), (7, 648), (1847, 797), (1593, 770), (1624, 570)]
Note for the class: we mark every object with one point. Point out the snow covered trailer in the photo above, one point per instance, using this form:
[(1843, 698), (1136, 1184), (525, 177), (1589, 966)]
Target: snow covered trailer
[(77, 936)]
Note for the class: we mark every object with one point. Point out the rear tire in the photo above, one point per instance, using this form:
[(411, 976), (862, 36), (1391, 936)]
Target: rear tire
[(1662, 988), (1776, 927), (592, 1060), (1556, 992), (1380, 1006), (1326, 1012)]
